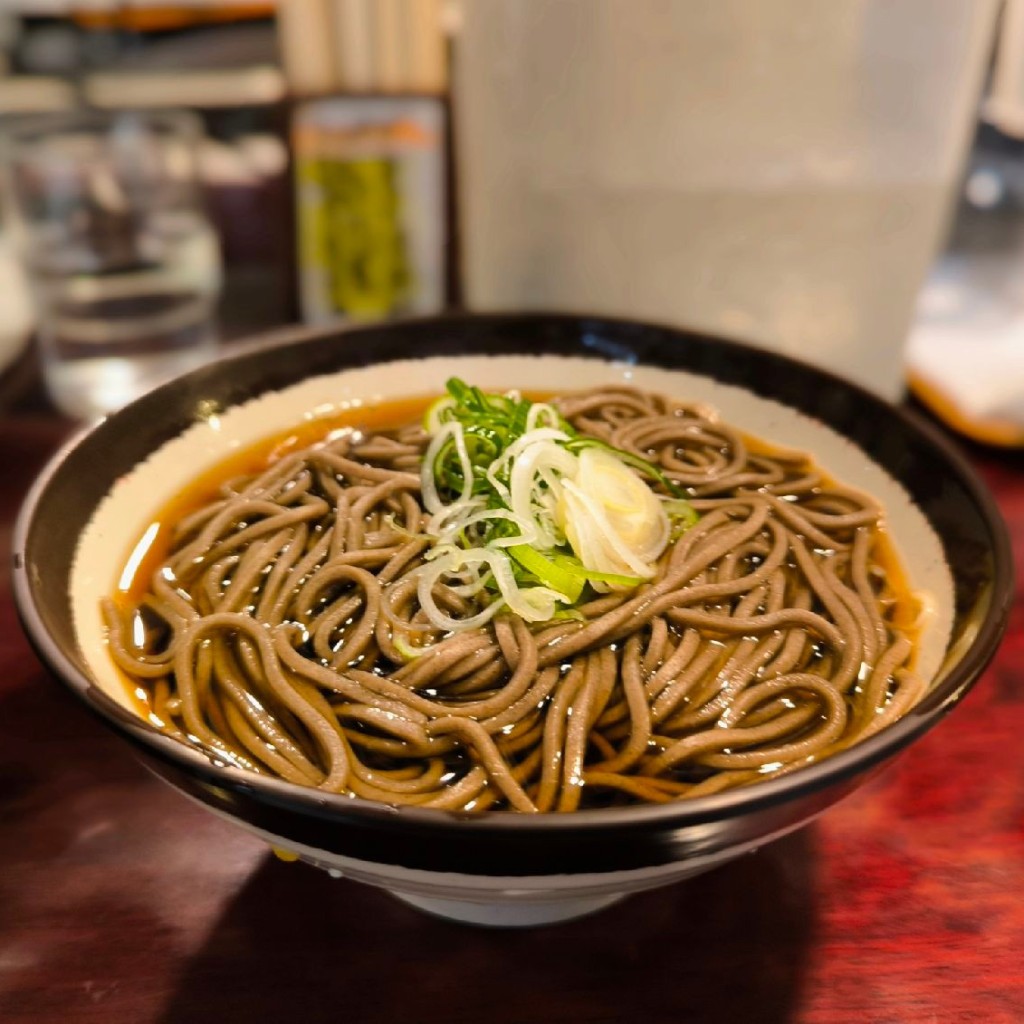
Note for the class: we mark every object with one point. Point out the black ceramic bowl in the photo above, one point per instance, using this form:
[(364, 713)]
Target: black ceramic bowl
[(96, 496)]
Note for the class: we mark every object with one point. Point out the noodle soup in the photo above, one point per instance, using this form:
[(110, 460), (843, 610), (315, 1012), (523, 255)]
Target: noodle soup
[(340, 608)]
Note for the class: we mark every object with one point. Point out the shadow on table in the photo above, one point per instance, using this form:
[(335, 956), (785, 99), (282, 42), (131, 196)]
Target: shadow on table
[(296, 946)]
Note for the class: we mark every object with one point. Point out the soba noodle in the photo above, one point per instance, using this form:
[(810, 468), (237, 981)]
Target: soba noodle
[(283, 633)]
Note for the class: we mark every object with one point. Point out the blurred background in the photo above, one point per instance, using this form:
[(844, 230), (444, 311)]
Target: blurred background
[(247, 69), (842, 181)]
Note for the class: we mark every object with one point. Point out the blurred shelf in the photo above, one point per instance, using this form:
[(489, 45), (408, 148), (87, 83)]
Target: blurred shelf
[(229, 87), (35, 94)]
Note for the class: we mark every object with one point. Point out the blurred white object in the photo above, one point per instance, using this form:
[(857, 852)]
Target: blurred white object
[(265, 153), (353, 31), (382, 46), (16, 322), (428, 57), (965, 356), (306, 41), (390, 39), (410, 45), (1004, 106), (216, 87), (779, 171), (35, 94)]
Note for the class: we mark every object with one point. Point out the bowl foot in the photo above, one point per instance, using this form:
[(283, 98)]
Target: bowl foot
[(512, 914)]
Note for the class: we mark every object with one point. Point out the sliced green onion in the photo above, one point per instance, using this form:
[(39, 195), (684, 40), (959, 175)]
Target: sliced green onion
[(433, 417), (406, 649), (549, 572), (519, 509), (566, 573), (682, 513)]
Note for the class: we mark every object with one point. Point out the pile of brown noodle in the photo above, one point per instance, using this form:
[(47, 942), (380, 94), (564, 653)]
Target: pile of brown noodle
[(283, 634)]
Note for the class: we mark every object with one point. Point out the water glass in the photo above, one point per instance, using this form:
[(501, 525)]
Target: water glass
[(123, 264)]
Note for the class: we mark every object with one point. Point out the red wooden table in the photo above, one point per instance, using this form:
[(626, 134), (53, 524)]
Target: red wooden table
[(121, 902)]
